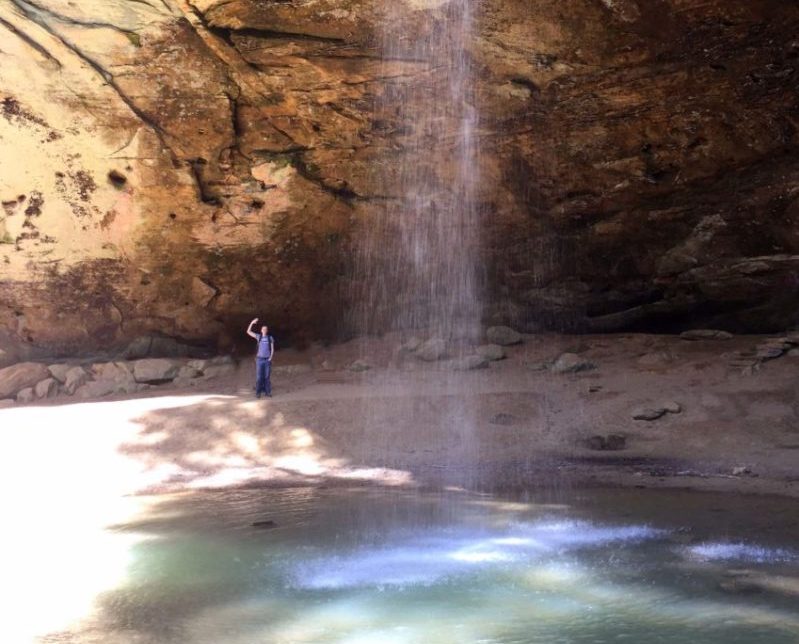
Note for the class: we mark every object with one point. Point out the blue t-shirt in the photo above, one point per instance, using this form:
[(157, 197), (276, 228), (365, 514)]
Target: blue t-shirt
[(265, 343)]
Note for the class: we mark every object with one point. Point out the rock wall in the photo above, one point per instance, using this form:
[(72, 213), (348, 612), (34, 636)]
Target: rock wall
[(180, 166)]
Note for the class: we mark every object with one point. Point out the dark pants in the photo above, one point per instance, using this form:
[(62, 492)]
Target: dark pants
[(263, 369)]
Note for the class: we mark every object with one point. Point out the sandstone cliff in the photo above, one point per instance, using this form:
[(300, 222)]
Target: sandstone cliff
[(176, 166)]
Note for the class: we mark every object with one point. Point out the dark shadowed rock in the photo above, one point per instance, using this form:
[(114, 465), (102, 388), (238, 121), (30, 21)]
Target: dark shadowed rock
[(503, 336), (705, 334), (648, 413)]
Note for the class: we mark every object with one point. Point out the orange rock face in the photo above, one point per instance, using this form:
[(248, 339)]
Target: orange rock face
[(180, 167)]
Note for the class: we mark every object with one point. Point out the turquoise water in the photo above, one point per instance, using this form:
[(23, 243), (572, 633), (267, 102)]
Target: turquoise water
[(376, 566)]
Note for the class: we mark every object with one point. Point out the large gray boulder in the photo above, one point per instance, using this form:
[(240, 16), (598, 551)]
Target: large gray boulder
[(432, 350), (469, 363), (59, 371), (216, 370), (74, 379), (115, 376), (571, 363), (491, 352), (653, 412), (187, 373), (17, 377), (98, 388), (47, 388), (503, 336), (155, 370), (26, 395)]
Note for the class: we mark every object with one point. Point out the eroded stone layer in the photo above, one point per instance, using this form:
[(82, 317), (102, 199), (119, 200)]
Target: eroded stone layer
[(179, 167)]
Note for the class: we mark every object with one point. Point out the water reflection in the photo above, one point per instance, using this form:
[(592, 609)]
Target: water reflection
[(389, 566)]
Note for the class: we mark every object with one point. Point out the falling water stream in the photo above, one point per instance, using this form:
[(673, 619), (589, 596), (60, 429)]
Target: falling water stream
[(418, 257)]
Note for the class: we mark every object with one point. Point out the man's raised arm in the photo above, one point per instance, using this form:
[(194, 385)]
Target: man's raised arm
[(250, 331)]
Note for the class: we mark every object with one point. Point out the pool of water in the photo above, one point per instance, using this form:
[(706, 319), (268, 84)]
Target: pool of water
[(388, 566)]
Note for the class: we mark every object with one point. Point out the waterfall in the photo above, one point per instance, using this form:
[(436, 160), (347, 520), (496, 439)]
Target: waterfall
[(418, 259)]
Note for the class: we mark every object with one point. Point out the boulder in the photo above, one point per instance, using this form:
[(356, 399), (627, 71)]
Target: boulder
[(432, 350), (214, 371), (46, 388), (657, 411), (410, 345), (705, 334), (76, 377), (654, 359), (648, 413), (503, 336), (26, 395), (571, 363), (491, 352), (118, 377), (59, 371), (20, 376), (469, 363), (199, 365), (185, 382), (772, 348), (188, 372), (155, 370), (98, 389)]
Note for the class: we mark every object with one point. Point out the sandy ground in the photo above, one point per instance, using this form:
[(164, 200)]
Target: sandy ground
[(405, 422)]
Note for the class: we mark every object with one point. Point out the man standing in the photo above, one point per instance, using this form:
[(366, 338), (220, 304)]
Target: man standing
[(263, 359)]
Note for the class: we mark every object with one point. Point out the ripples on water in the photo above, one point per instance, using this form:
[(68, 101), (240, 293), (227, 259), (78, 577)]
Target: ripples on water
[(388, 567)]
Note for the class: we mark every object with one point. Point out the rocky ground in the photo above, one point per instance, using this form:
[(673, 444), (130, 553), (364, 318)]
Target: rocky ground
[(704, 410)]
